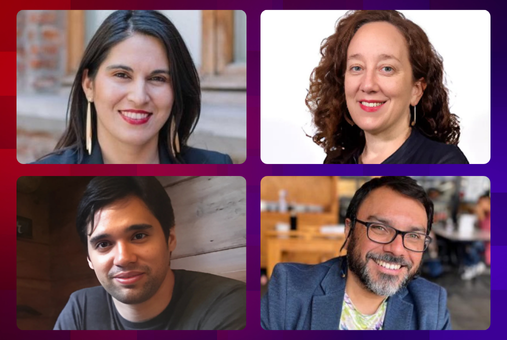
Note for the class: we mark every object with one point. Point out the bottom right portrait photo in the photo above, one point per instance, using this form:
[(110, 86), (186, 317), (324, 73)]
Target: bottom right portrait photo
[(375, 253)]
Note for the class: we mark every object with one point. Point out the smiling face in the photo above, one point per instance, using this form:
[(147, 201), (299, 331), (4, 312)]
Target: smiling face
[(384, 268), (128, 251), (132, 92), (379, 85)]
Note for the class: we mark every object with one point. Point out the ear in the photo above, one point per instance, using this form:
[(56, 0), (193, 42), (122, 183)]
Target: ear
[(171, 242), (90, 264), (348, 230), (347, 226), (418, 91), (87, 84)]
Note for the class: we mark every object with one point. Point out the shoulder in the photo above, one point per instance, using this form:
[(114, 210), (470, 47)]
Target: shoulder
[(201, 156), (67, 156), (430, 303), (419, 149), (303, 276), (218, 303), (88, 296), (441, 153), (81, 305), (201, 280), (420, 287)]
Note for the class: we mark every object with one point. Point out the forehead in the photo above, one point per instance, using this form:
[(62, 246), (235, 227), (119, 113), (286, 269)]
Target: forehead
[(138, 51), (378, 38), (118, 216), (401, 212)]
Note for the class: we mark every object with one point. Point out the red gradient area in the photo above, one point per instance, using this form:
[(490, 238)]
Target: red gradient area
[(8, 72), (8, 125)]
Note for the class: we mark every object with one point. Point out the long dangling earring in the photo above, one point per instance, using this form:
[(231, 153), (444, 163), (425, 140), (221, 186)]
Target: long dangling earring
[(174, 137), (413, 121), (89, 128)]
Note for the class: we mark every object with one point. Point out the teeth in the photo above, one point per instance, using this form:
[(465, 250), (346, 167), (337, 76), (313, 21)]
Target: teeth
[(388, 265), (371, 104), (134, 115)]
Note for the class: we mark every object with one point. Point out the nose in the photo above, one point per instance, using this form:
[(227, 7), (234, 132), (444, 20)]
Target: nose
[(124, 254), (137, 93), (369, 82), (396, 247)]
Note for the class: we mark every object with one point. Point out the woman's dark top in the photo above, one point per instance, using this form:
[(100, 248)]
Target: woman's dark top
[(417, 149), (190, 156)]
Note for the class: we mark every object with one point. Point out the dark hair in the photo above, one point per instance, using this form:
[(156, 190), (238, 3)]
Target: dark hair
[(404, 185), (119, 26), (104, 191), (326, 96)]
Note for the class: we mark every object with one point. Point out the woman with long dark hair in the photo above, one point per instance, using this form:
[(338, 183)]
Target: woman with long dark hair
[(378, 94), (135, 99)]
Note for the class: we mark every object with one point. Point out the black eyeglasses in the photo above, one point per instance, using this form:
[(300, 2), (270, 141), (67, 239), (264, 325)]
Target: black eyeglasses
[(384, 234)]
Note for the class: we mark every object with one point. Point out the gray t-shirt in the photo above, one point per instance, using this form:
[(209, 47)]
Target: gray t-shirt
[(199, 301)]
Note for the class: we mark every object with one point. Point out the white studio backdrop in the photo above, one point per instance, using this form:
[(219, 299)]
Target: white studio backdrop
[(290, 50)]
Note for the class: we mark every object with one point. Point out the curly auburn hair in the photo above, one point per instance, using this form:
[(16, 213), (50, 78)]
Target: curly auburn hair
[(326, 97)]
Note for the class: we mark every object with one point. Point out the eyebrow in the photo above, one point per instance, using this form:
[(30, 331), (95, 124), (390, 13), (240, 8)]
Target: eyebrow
[(389, 223), (381, 57), (129, 69), (134, 227)]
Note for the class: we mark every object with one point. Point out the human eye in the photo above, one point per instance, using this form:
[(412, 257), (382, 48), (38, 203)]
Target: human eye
[(121, 75), (102, 245), (159, 79), (355, 68), (387, 69), (379, 228), (415, 236), (139, 236)]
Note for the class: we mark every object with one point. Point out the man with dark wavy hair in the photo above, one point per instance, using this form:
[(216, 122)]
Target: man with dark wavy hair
[(127, 227), (374, 287)]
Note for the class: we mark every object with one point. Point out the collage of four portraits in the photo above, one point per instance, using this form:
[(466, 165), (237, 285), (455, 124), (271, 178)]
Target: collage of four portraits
[(131, 209)]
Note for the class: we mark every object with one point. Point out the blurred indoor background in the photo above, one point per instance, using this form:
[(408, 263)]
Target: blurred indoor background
[(50, 45), (302, 220)]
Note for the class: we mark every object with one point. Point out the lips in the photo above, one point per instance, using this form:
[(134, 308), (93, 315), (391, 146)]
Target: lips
[(371, 105), (135, 117), (128, 277)]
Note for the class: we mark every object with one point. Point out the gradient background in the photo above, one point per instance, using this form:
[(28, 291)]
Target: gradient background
[(253, 169)]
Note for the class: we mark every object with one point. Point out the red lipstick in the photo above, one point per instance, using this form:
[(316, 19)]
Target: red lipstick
[(135, 117), (371, 108)]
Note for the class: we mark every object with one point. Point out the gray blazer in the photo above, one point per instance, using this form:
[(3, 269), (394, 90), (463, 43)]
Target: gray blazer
[(311, 297)]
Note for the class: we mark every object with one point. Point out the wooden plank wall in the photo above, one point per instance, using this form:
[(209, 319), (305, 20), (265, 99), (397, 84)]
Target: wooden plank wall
[(210, 217), (33, 262)]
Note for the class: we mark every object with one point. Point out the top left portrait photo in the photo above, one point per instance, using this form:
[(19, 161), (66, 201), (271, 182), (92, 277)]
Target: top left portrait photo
[(131, 87)]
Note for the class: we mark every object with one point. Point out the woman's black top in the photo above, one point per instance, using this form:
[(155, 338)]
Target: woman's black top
[(417, 149), (190, 156)]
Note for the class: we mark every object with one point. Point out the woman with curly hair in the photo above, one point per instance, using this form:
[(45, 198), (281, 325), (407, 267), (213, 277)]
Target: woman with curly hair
[(378, 94)]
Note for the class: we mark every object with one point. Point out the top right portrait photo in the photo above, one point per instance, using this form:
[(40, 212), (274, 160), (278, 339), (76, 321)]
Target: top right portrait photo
[(375, 87)]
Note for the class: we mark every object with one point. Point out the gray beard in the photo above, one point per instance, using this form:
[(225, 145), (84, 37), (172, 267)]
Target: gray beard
[(384, 284)]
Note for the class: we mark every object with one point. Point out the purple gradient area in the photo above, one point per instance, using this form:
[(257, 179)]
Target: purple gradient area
[(253, 170)]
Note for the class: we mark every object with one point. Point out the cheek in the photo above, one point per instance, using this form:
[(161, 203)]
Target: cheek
[(108, 93), (351, 86), (163, 98)]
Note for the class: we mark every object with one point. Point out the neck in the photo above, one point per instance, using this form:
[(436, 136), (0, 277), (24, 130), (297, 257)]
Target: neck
[(151, 308), (379, 147), (116, 152), (363, 299)]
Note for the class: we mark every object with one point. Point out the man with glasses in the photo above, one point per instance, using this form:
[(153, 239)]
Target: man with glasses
[(374, 287)]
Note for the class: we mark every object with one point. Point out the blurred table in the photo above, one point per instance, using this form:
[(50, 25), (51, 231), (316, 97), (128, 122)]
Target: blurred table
[(456, 236), (456, 242), (301, 241)]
